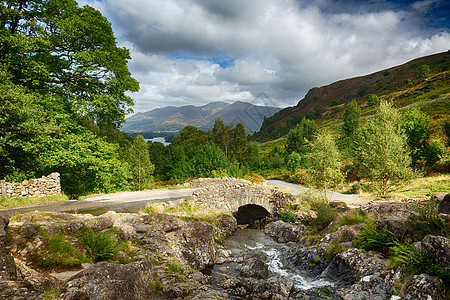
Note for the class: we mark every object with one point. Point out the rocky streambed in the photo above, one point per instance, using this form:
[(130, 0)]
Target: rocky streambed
[(44, 255)]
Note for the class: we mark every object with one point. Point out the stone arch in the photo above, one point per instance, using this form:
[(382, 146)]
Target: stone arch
[(249, 213)]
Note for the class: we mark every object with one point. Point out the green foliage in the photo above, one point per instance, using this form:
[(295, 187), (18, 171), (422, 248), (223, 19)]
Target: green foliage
[(100, 245), (174, 268), (176, 165), (334, 248), (56, 47), (324, 161), (363, 89), (222, 135), (416, 126), (238, 142), (275, 159), (205, 159), (288, 217), (380, 151), (20, 201), (140, 164), (351, 119), (57, 251), (325, 214), (156, 284), (447, 131), (294, 161), (297, 138), (252, 156), (190, 137), (50, 294), (371, 238), (373, 100)]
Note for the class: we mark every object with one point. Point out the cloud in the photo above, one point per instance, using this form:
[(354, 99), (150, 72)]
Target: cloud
[(198, 51)]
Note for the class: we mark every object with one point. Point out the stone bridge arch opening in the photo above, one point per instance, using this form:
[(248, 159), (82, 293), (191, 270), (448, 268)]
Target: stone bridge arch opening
[(251, 214)]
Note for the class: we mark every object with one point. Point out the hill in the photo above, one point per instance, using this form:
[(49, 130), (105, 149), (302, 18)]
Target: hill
[(413, 83), (170, 118)]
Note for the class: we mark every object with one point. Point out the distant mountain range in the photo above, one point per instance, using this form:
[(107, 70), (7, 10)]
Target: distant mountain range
[(170, 118)]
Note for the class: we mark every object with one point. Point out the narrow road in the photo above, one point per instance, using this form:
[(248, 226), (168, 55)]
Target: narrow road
[(130, 202), (352, 200)]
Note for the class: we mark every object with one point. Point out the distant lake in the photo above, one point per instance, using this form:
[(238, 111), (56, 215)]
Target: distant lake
[(159, 139)]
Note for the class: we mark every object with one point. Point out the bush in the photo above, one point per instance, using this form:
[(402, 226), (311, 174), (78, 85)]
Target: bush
[(325, 213), (288, 217), (352, 218), (371, 238), (100, 245), (428, 220)]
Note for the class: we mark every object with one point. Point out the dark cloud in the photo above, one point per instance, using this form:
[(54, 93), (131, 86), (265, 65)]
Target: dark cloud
[(199, 51)]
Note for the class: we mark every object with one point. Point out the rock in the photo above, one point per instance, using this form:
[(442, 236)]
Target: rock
[(18, 290), (444, 205), (353, 264), (438, 197), (28, 230), (74, 227), (439, 249), (373, 287), (99, 223), (53, 229), (283, 232), (164, 222), (250, 288), (398, 226), (424, 286), (126, 232), (310, 259), (344, 234), (8, 269), (254, 268), (3, 224), (114, 281)]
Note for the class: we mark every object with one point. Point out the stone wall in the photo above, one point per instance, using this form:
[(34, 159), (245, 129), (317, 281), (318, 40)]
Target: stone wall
[(228, 194), (44, 186)]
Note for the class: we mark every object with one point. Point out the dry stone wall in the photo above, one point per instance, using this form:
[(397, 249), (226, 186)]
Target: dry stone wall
[(44, 186), (228, 194)]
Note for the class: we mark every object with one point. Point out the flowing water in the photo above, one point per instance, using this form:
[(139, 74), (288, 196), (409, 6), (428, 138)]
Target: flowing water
[(278, 257)]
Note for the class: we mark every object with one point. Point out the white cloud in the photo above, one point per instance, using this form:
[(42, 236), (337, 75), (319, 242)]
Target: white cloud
[(279, 47)]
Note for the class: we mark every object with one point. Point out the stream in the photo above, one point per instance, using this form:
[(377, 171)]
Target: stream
[(278, 258)]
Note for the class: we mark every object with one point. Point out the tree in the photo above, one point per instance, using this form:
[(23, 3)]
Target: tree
[(205, 159), (252, 156), (324, 160), (190, 137), (423, 72), (380, 151), (297, 138), (294, 161), (373, 100), (55, 47), (141, 166), (222, 135), (239, 142), (351, 119)]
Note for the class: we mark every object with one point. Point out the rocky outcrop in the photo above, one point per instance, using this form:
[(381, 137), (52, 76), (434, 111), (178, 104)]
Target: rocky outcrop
[(439, 249), (7, 266), (283, 232), (444, 205), (254, 268), (425, 287)]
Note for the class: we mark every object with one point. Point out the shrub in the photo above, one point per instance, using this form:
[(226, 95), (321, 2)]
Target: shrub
[(371, 238), (100, 245), (288, 217), (352, 218), (428, 220), (325, 213)]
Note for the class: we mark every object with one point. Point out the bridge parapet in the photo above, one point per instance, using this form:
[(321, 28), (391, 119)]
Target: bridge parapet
[(228, 194)]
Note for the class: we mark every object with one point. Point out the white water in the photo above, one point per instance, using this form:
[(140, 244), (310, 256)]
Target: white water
[(159, 139), (276, 256)]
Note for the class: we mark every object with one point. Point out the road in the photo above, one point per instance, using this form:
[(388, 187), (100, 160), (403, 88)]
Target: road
[(130, 202), (352, 200)]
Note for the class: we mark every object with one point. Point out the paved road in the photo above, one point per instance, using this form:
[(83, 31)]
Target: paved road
[(352, 200), (119, 202)]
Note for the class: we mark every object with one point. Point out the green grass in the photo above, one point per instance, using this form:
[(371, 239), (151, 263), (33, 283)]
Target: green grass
[(57, 251), (50, 294), (352, 218), (20, 201), (424, 186)]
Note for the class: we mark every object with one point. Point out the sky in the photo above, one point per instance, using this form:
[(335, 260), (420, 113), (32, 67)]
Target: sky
[(192, 52)]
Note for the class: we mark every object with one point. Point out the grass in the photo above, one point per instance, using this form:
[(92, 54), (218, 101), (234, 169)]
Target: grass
[(423, 186), (57, 251), (352, 218), (50, 294), (20, 201)]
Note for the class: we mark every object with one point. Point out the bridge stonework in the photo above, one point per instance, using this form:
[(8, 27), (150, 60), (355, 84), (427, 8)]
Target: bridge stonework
[(228, 194)]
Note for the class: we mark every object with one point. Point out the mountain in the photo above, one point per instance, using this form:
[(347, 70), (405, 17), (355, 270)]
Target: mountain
[(417, 82), (170, 118)]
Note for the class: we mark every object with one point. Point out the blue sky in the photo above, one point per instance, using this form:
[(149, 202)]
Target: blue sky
[(199, 51)]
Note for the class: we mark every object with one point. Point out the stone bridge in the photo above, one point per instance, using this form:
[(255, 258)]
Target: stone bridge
[(246, 200)]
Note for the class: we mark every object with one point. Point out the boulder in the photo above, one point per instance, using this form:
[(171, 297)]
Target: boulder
[(52, 229), (28, 230), (283, 232), (114, 281), (163, 222), (439, 249), (126, 232), (74, 227), (251, 288), (373, 287), (424, 286), (3, 224), (99, 223), (344, 234), (444, 205), (400, 227), (254, 268)]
